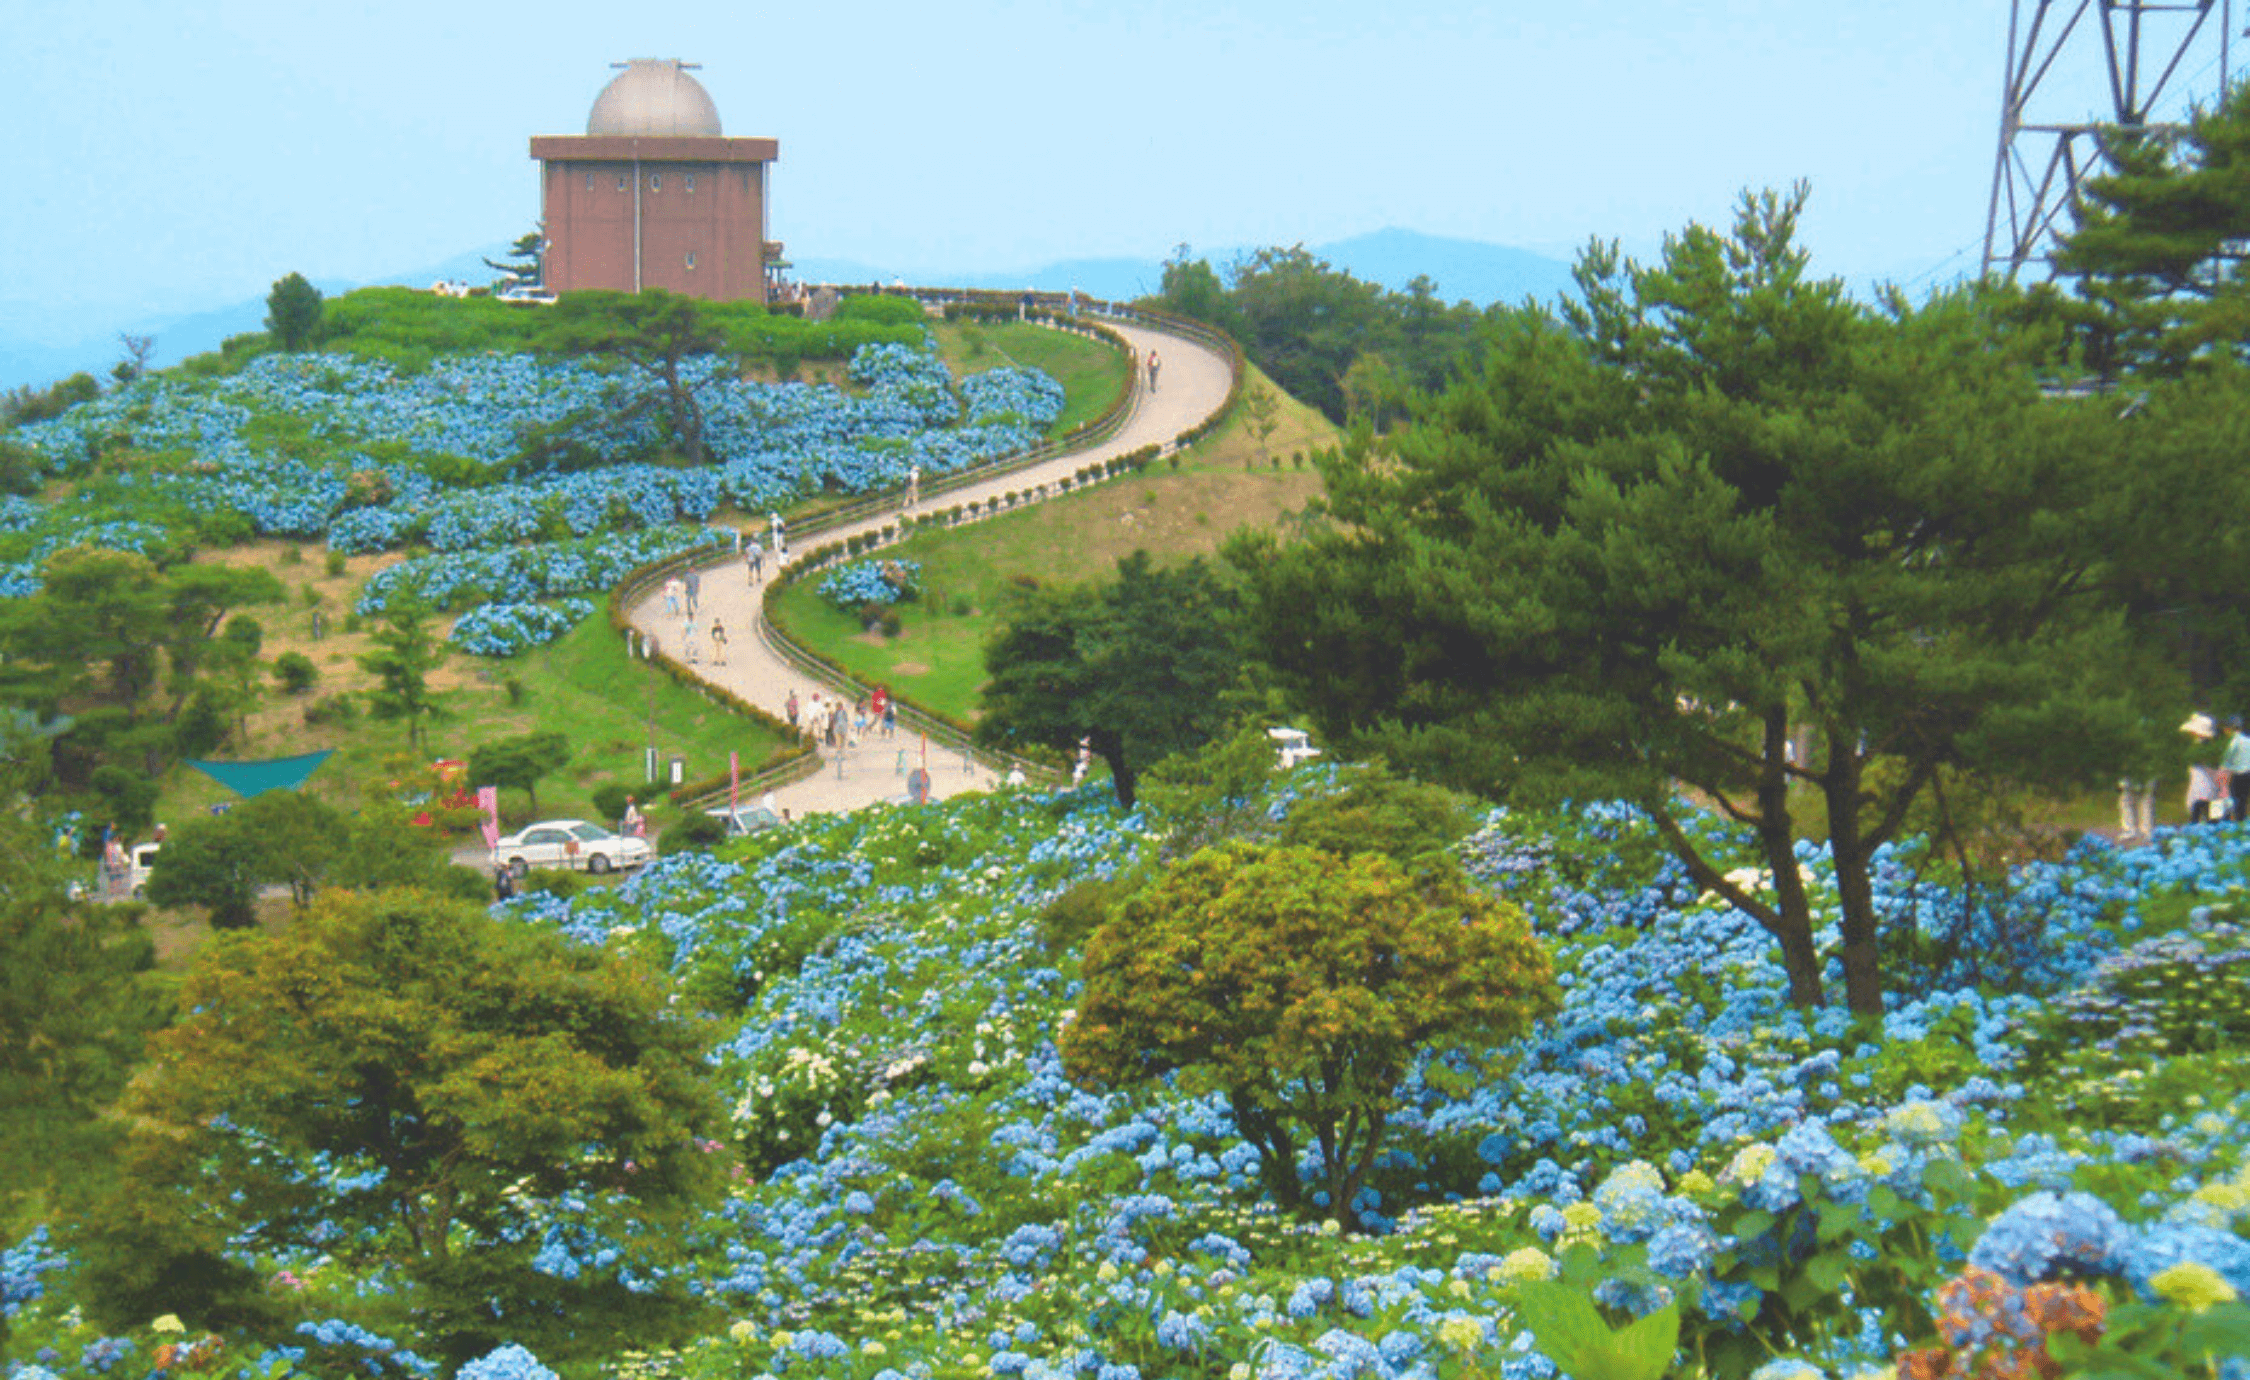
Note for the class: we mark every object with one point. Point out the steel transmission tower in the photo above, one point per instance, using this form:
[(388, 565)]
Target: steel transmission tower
[(2150, 51)]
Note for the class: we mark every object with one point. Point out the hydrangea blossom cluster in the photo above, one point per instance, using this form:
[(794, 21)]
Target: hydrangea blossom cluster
[(524, 574), (480, 452), (504, 630), (925, 1190), (859, 583), (21, 1266)]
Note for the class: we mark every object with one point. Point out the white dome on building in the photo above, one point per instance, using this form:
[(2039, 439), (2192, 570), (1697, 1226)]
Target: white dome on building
[(654, 96)]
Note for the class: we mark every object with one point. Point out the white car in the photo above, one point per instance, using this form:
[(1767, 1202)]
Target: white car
[(571, 843), (746, 820)]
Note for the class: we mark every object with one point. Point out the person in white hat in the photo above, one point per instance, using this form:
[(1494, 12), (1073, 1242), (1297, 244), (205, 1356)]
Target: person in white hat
[(2206, 798)]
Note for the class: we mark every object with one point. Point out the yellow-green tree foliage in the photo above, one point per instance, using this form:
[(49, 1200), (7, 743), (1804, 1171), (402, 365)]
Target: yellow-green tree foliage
[(408, 1081), (1301, 984)]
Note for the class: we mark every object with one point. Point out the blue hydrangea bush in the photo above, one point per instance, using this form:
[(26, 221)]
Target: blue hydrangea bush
[(923, 1193), (484, 453), (854, 586)]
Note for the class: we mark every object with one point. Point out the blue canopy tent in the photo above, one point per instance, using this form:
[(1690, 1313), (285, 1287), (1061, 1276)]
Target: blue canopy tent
[(249, 779)]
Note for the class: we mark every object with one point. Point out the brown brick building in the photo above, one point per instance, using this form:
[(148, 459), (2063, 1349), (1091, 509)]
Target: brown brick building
[(654, 194)]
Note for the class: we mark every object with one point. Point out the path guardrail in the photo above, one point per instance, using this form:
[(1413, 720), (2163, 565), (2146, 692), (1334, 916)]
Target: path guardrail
[(1064, 311), (823, 671)]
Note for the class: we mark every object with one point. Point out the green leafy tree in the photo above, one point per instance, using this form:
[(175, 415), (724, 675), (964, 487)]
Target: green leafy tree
[(655, 334), (1714, 506), (22, 469), (213, 863), (1192, 288), (1301, 985), (24, 404), (1323, 336), (299, 839), (383, 848), (405, 653), (1373, 811), (128, 798), (106, 631), (74, 1004), (1137, 668), (293, 313), (1305, 321), (459, 1073), (520, 762)]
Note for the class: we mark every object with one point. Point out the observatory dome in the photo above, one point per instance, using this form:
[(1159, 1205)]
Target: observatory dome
[(654, 96)]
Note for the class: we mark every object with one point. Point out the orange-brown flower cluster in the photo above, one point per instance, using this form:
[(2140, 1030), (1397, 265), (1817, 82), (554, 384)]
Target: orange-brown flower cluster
[(189, 1358), (1995, 1331)]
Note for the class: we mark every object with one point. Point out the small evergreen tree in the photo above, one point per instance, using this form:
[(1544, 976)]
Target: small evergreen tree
[(406, 651), (293, 313)]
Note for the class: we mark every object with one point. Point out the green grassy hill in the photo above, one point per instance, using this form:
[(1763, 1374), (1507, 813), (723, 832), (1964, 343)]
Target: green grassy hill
[(1175, 510)]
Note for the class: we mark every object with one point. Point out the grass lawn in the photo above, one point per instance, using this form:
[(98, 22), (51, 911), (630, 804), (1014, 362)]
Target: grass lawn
[(583, 686), (1092, 373), (1226, 481)]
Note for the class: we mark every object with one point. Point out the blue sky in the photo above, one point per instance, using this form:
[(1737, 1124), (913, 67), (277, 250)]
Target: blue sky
[(163, 157)]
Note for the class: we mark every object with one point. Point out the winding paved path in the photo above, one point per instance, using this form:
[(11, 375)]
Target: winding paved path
[(1192, 384)]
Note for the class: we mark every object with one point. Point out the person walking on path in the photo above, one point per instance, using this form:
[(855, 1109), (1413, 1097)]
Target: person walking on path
[(913, 486), (687, 644), (694, 591), (792, 707), (1153, 365), (753, 559), (635, 823), (672, 591), (718, 643)]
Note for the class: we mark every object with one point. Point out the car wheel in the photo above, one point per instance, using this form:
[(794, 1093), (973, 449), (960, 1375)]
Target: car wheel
[(597, 863)]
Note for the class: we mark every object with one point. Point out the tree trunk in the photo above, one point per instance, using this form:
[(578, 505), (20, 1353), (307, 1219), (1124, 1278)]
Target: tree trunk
[(1863, 968), (1777, 837), (1277, 1155), (1111, 749)]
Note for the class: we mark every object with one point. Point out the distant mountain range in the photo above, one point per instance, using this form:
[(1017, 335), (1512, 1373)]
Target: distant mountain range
[(1463, 269)]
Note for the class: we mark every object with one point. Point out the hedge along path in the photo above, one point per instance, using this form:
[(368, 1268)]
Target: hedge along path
[(1193, 385)]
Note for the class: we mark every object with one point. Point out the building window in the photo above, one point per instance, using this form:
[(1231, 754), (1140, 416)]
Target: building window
[(656, 182), (690, 182), (691, 258)]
